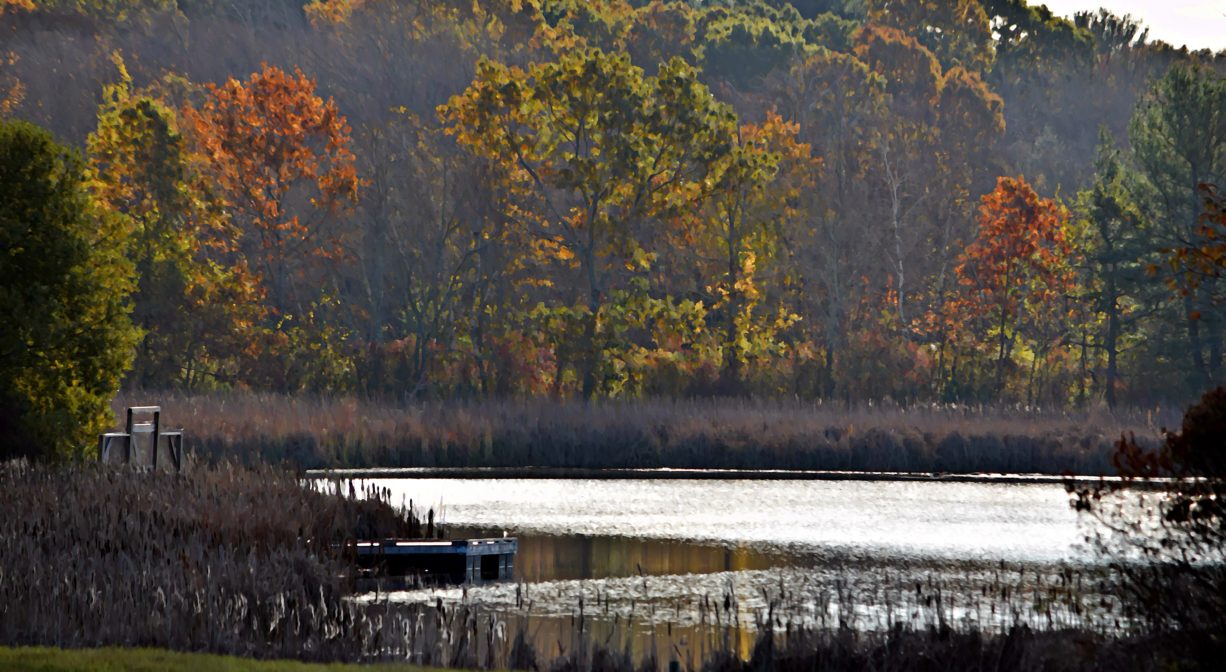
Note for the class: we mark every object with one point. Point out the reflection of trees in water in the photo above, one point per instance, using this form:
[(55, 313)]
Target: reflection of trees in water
[(592, 557)]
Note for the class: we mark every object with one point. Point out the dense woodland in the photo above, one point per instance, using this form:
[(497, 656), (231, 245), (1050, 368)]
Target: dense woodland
[(922, 200)]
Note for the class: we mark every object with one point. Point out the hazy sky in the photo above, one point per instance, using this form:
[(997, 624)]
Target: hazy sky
[(1196, 23)]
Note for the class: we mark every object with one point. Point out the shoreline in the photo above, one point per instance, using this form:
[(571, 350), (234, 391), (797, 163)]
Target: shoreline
[(561, 473)]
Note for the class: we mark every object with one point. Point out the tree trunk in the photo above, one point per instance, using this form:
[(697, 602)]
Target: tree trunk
[(732, 350), (1195, 346), (1112, 346), (1001, 354), (591, 358)]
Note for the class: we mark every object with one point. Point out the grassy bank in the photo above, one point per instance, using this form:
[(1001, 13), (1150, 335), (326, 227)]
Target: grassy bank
[(313, 433), (43, 659)]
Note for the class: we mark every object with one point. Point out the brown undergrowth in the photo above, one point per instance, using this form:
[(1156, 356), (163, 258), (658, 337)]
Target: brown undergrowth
[(734, 434)]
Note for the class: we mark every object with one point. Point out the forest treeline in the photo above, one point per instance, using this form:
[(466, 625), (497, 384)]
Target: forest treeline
[(923, 200)]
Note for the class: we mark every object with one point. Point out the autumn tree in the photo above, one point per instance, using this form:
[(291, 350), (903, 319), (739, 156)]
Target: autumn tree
[(282, 159), (906, 148), (837, 102), (195, 300), (16, 5), (756, 198), (65, 336), (957, 31), (1208, 257), (1016, 274), (970, 124), (12, 91), (601, 154)]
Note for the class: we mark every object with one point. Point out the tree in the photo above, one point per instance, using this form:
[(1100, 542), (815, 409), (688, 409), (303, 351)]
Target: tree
[(756, 195), (1179, 139), (14, 5), (1115, 260), (195, 300), (907, 148), (661, 30), (837, 102), (957, 31), (425, 233), (601, 154), (65, 336), (280, 155), (1016, 273), (742, 43), (12, 91), (1044, 68), (1206, 258)]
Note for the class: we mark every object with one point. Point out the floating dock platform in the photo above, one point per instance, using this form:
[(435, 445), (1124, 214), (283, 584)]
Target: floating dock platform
[(442, 561)]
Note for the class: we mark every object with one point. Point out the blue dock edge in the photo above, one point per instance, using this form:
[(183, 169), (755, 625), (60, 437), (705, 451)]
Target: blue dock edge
[(439, 561)]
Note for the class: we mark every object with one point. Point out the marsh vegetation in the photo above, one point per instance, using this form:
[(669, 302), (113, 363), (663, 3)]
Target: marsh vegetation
[(327, 432)]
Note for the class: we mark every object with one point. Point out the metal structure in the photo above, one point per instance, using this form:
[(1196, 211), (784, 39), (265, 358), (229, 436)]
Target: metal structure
[(440, 562), (120, 446)]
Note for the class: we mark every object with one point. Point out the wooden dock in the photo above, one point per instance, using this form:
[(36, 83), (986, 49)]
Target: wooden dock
[(433, 562)]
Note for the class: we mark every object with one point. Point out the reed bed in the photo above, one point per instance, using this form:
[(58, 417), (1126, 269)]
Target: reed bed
[(696, 618), (313, 433), (226, 560), (937, 635)]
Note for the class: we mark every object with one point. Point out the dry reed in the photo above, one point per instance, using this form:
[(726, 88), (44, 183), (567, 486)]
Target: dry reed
[(740, 434), (226, 559)]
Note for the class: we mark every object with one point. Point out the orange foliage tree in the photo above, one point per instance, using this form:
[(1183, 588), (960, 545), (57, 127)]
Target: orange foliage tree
[(195, 300), (1015, 276), (281, 157), (5, 5), (274, 145)]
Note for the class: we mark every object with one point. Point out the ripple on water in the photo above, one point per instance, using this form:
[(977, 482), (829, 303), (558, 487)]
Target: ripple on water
[(888, 520)]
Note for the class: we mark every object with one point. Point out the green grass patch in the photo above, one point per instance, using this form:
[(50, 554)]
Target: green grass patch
[(41, 659)]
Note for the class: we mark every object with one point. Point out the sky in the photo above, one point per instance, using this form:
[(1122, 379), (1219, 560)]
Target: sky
[(1195, 23)]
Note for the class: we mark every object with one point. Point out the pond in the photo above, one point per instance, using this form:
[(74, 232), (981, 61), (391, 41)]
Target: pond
[(706, 563)]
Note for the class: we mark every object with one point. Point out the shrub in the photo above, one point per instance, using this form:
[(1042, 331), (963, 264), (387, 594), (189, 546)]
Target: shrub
[(1168, 546)]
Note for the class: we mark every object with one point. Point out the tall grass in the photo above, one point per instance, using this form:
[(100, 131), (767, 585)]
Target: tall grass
[(227, 560), (742, 434)]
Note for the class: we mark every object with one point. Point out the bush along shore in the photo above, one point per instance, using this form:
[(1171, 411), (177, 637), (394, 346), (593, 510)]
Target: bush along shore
[(319, 433)]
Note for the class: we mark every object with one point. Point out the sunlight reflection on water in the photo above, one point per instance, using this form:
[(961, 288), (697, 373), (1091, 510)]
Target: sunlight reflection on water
[(871, 520), (704, 564)]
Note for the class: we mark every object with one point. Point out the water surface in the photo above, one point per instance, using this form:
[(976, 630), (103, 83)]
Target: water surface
[(870, 520), (705, 564)]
